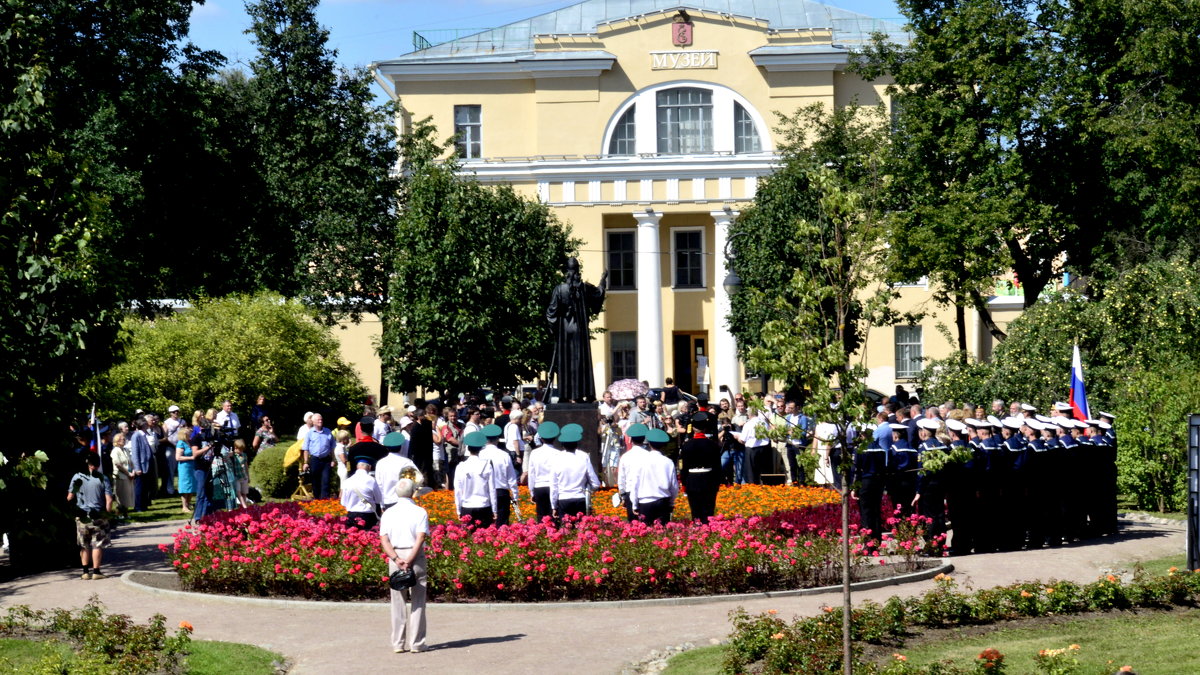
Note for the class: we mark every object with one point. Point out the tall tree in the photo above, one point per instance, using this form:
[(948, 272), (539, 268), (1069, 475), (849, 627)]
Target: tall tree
[(470, 280), (325, 153), (772, 255)]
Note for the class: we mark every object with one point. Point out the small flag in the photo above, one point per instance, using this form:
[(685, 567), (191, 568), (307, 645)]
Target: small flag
[(1078, 398)]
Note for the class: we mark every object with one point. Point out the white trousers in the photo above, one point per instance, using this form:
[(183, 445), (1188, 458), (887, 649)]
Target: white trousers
[(408, 625)]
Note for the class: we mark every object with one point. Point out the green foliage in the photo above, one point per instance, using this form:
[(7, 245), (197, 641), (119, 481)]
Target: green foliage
[(269, 476), (1154, 402), (106, 642), (234, 348), (493, 258)]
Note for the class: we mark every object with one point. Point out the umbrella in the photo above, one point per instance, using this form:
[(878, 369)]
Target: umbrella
[(623, 390)]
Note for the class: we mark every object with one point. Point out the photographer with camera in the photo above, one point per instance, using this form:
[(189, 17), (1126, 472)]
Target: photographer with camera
[(205, 446)]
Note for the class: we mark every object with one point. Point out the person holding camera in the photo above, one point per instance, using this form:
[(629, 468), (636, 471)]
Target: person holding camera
[(92, 494), (317, 452), (402, 533)]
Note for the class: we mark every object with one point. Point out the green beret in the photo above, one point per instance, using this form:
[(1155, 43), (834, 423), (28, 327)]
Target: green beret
[(548, 431), (394, 440), (492, 431), (572, 433), (475, 439), (657, 436), (636, 430)]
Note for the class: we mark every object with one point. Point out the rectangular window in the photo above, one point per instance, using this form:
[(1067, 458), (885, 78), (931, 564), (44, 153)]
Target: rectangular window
[(908, 352), (622, 255), (685, 124), (688, 256), (624, 354), (468, 136)]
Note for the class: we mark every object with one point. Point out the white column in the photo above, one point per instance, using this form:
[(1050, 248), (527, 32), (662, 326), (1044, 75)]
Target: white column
[(726, 369), (649, 299)]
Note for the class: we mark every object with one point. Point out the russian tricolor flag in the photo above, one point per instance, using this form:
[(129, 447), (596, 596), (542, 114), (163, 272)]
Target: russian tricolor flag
[(1078, 398)]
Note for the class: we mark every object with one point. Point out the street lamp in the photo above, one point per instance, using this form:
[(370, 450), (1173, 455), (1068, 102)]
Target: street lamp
[(1193, 493), (732, 283)]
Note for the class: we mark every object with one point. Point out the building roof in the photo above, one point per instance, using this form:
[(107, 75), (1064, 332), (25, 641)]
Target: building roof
[(516, 40)]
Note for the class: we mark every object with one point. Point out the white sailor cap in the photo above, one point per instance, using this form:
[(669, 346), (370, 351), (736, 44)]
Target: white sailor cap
[(1104, 425), (1034, 424), (1063, 422), (1043, 419), (926, 423), (1092, 423), (1011, 422), (1108, 415), (896, 426), (1062, 407), (993, 420), (1028, 408), (955, 425)]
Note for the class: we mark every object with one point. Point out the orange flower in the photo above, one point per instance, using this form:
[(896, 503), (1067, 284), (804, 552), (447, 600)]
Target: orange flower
[(1049, 591), (899, 657), (1026, 594), (772, 611), (1111, 578), (1074, 648), (186, 626), (777, 636), (1126, 669)]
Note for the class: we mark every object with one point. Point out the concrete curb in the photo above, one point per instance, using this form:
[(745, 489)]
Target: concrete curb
[(133, 579)]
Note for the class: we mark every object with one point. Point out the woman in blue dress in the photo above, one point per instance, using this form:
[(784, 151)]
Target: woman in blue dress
[(183, 457)]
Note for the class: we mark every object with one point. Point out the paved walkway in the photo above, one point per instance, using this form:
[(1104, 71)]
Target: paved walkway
[(324, 638)]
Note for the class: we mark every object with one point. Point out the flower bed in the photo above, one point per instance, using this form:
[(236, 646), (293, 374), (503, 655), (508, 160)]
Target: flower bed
[(281, 549), (741, 500)]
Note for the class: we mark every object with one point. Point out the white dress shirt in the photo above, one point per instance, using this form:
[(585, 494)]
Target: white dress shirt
[(232, 417), (473, 485), (629, 466), (654, 479), (361, 493), (503, 473), (514, 440), (573, 477), (302, 434), (540, 466), (403, 522), (751, 436), (387, 474), (381, 429)]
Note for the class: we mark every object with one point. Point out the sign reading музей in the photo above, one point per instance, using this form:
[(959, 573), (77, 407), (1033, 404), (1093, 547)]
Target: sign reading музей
[(681, 36)]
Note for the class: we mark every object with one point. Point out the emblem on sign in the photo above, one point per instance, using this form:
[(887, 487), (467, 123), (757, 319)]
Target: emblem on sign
[(681, 30)]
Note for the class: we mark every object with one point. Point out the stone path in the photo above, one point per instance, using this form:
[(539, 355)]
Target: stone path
[(327, 637)]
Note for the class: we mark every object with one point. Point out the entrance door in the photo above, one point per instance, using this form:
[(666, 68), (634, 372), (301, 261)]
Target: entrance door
[(686, 346)]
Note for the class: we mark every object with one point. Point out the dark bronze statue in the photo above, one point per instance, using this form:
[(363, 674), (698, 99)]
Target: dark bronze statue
[(572, 303)]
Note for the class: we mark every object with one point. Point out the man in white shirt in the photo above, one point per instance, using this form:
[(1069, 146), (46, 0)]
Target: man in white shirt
[(402, 534), (361, 496), (387, 470), (474, 486), (504, 476), (628, 466), (226, 417), (383, 423), (654, 485), (540, 470), (754, 436), (514, 437), (574, 479)]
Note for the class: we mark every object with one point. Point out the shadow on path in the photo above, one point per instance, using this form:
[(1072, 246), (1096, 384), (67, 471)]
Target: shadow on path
[(460, 644)]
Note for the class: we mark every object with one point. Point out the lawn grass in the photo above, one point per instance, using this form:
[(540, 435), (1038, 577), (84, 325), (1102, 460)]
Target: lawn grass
[(1160, 566), (1151, 642), (206, 657), (696, 661), (22, 656), (1169, 515), (209, 657), (162, 509)]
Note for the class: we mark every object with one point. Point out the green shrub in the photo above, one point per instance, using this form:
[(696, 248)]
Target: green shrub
[(269, 476)]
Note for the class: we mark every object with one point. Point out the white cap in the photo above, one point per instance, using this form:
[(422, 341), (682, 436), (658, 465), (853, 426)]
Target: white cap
[(173, 408), (1064, 422), (1104, 425), (404, 421), (1034, 424), (1043, 419), (972, 422), (898, 427), (1108, 415), (1011, 422), (993, 420), (1063, 407), (411, 408), (926, 423), (955, 425), (1028, 408)]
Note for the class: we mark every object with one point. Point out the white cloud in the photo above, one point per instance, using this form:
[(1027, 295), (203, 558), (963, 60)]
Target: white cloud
[(209, 10)]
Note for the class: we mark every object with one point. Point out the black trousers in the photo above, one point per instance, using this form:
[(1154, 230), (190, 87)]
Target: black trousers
[(503, 507), (572, 507), (483, 515), (870, 499), (541, 501), (656, 510), (902, 487), (933, 507), (757, 462), (629, 514), (368, 518), (702, 490)]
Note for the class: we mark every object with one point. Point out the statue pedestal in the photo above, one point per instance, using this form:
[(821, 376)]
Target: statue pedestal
[(586, 415)]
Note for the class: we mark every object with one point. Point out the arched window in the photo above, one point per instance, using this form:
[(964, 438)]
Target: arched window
[(624, 135), (745, 134), (685, 121)]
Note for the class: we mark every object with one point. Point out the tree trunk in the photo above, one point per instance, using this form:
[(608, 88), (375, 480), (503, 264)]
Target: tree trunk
[(985, 315), (1033, 278), (960, 320)]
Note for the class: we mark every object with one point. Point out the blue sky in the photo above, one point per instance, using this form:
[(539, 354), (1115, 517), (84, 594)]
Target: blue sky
[(372, 30)]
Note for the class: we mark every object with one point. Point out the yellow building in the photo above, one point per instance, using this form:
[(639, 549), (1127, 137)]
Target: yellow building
[(647, 125)]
